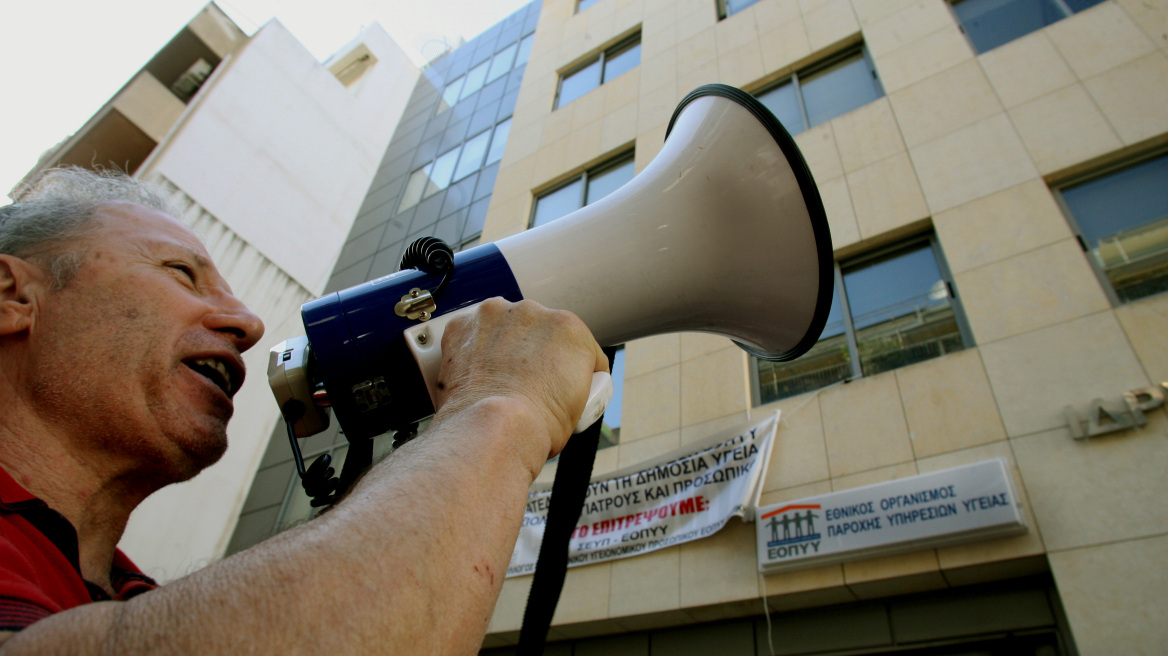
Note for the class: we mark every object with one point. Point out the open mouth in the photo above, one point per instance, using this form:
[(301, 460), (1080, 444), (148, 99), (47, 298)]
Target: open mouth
[(215, 371)]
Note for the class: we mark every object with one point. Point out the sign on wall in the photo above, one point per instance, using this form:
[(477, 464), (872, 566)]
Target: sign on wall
[(683, 496), (971, 502)]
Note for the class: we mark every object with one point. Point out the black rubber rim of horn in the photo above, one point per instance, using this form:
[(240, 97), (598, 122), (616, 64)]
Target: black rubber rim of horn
[(810, 198)]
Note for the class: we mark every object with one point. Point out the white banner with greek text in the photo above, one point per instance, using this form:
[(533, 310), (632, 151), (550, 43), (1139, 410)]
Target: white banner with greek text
[(685, 495)]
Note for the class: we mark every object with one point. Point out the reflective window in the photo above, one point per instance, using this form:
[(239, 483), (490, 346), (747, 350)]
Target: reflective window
[(1122, 219), (415, 186), (498, 142), (472, 155), (991, 23), (622, 62), (610, 430), (888, 311), (581, 5), (579, 83), (501, 62), (728, 8), (609, 64), (584, 190), (820, 93), (524, 49), (441, 172), (475, 79), (450, 94)]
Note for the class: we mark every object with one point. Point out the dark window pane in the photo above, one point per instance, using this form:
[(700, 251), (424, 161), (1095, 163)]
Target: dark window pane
[(735, 6), (1124, 219), (608, 181), (991, 23), (472, 155), (524, 49), (784, 104), (474, 79), (622, 62), (901, 311), (501, 62), (1079, 5), (827, 362), (839, 89), (552, 206), (498, 142), (579, 83)]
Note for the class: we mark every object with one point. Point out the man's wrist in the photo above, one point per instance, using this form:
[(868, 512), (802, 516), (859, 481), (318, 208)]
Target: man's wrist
[(511, 425)]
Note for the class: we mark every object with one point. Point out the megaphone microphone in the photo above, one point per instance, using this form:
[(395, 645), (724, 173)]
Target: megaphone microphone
[(723, 232)]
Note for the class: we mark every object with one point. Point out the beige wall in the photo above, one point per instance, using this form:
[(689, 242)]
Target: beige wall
[(968, 144)]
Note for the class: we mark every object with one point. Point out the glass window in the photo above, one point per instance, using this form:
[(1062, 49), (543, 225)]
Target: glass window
[(579, 83), (610, 430), (474, 79), (557, 203), (838, 89), (1122, 220), (450, 94), (524, 49), (498, 142), (501, 63), (619, 59), (887, 311), (823, 92), (901, 310), (727, 8), (414, 187), (605, 182), (991, 23), (440, 174), (584, 190), (622, 62), (472, 155), (581, 5)]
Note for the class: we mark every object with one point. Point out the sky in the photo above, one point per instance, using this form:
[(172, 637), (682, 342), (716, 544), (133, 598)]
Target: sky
[(61, 60)]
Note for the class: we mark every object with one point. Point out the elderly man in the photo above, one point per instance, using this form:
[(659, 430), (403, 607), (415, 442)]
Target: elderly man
[(119, 355)]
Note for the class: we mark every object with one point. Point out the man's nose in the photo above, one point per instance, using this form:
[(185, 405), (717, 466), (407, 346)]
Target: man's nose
[(231, 316)]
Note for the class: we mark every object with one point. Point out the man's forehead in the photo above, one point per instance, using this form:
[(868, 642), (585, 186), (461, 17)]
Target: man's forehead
[(144, 226)]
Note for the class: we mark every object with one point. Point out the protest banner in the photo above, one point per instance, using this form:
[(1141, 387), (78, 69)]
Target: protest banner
[(685, 495)]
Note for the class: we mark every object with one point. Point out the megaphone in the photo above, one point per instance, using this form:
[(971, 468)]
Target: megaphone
[(723, 232)]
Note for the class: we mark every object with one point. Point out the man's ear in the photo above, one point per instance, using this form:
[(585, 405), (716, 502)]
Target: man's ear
[(22, 285)]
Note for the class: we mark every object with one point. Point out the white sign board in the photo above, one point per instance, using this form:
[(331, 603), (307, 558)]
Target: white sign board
[(686, 495), (945, 507)]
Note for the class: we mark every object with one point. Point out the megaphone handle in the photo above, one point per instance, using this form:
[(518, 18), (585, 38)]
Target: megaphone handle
[(425, 343)]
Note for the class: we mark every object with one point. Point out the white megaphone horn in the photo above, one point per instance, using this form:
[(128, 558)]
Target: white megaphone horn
[(723, 232)]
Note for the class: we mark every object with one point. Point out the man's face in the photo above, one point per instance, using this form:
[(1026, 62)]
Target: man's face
[(138, 357)]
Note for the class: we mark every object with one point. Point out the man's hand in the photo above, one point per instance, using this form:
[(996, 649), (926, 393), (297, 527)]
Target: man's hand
[(523, 352)]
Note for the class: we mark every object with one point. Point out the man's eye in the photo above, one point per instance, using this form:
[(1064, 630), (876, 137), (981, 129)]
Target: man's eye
[(185, 269)]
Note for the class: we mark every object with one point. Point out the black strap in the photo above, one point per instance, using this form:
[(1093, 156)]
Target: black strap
[(568, 492)]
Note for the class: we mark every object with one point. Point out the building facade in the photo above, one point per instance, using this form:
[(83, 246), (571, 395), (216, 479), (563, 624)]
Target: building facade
[(994, 179)]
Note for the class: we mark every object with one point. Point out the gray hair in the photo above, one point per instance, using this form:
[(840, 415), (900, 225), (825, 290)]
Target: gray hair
[(59, 207)]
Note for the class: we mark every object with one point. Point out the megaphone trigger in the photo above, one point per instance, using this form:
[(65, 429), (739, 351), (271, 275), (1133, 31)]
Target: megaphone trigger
[(424, 341)]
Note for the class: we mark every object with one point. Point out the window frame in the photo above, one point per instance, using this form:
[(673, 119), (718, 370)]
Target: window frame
[(1061, 5), (809, 72), (607, 165), (1077, 229), (856, 263), (724, 10), (602, 57)]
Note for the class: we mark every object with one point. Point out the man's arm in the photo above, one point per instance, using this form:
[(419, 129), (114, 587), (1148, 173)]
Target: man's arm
[(413, 559)]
